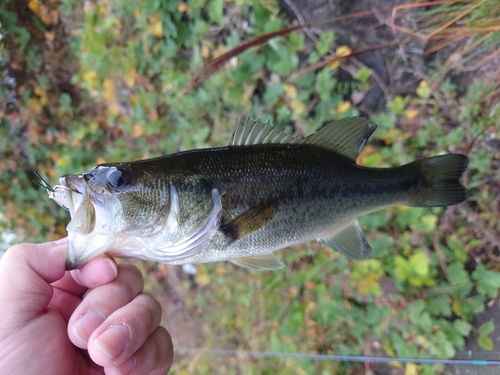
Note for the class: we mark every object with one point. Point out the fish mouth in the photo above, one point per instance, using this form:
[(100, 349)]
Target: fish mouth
[(74, 194)]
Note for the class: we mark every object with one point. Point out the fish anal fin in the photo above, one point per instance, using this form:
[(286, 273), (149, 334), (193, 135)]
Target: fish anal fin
[(346, 137), (263, 262), (350, 242), (250, 221)]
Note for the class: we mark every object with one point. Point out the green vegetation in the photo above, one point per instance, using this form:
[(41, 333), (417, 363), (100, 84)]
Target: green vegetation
[(103, 83)]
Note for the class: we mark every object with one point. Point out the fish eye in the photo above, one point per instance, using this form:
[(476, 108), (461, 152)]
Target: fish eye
[(118, 179)]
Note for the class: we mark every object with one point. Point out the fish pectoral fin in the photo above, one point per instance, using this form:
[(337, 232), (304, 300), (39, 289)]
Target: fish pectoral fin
[(264, 262), (251, 220), (346, 137), (350, 242)]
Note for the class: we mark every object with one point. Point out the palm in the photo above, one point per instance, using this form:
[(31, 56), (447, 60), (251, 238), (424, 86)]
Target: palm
[(54, 351), (50, 323)]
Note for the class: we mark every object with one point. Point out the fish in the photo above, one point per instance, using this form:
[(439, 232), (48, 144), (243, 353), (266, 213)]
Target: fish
[(266, 190)]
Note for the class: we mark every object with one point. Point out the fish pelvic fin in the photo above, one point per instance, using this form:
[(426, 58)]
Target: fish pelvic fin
[(440, 186), (346, 137), (250, 221), (350, 242), (263, 262)]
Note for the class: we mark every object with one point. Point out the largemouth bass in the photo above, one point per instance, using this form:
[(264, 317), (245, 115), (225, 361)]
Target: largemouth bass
[(264, 191)]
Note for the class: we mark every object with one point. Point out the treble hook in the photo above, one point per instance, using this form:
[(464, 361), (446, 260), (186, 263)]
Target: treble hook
[(43, 184)]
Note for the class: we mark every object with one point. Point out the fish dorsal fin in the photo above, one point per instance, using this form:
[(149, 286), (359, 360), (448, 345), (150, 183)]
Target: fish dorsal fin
[(350, 242), (263, 262), (346, 137), (251, 132)]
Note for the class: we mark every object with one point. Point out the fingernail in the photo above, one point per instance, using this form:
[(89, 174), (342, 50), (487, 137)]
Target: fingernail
[(114, 340), (62, 241), (87, 324), (126, 367), (113, 267)]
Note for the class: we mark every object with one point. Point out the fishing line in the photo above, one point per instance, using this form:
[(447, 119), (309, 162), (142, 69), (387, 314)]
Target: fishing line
[(335, 358)]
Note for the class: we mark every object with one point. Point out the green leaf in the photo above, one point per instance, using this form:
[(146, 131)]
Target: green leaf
[(485, 343), (273, 93), (325, 41), (398, 105), (456, 274), (439, 305), (461, 327), (486, 328), (297, 41), (402, 268), (260, 17), (419, 263), (429, 222), (363, 74), (325, 83), (215, 11), (488, 281)]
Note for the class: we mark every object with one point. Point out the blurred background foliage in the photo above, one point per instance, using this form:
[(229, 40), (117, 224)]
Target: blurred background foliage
[(86, 82)]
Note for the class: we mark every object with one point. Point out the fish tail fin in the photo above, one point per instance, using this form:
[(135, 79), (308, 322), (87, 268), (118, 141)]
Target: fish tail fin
[(440, 186)]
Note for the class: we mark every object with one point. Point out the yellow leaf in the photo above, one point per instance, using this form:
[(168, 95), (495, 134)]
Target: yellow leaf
[(396, 364), (182, 7), (411, 369), (202, 277), (248, 91), (456, 307), (369, 285), (391, 135), (343, 106), (343, 51), (35, 105), (156, 27), (34, 5), (103, 9), (297, 107), (220, 269), (411, 113), (137, 131), (423, 89), (204, 52), (90, 77), (137, 13), (219, 51), (130, 78), (109, 89), (402, 208), (62, 163), (49, 36), (100, 160), (37, 90), (340, 52), (93, 127), (290, 90), (114, 109)]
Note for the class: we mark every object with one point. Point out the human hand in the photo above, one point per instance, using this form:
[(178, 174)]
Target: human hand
[(89, 321)]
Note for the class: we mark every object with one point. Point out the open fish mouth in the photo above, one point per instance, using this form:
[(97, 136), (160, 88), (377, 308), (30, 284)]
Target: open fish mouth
[(60, 195)]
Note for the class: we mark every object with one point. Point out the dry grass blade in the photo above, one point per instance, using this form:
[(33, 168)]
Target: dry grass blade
[(214, 65), (332, 60)]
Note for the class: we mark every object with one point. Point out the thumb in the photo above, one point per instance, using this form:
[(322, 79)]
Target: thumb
[(26, 270)]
